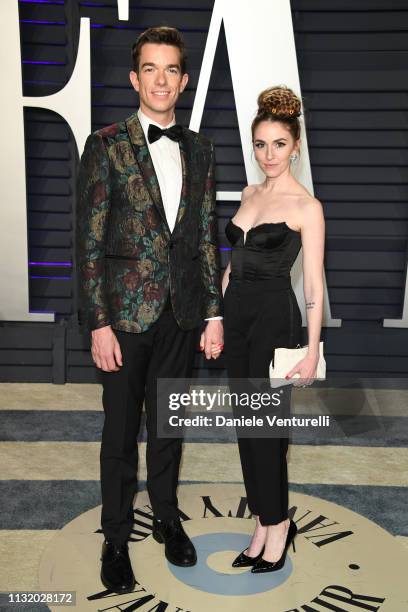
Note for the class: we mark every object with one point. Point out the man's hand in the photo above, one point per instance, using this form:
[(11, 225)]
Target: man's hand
[(105, 349), (212, 339)]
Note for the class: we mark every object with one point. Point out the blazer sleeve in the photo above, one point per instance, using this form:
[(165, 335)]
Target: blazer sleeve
[(208, 247), (92, 213)]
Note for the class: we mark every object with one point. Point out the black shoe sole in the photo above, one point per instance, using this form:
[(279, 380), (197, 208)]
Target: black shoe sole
[(160, 540), (121, 592)]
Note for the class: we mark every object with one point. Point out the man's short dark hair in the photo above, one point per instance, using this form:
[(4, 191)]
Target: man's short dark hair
[(163, 35)]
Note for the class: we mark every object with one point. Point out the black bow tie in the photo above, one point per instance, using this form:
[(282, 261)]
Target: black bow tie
[(175, 132)]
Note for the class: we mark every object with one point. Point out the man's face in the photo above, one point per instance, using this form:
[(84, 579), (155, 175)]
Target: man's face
[(159, 80)]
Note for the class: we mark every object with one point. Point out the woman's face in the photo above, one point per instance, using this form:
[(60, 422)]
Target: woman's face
[(273, 146)]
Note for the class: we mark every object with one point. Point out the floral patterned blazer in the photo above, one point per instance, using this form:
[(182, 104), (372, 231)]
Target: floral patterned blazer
[(127, 258)]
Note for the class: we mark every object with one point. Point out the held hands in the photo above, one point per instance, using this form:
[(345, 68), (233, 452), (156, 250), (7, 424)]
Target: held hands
[(212, 339), (105, 349), (306, 367)]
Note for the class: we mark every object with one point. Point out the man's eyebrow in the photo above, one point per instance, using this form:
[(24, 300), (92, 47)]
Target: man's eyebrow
[(153, 64)]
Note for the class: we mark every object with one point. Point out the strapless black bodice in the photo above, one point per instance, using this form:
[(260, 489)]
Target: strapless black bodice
[(268, 251)]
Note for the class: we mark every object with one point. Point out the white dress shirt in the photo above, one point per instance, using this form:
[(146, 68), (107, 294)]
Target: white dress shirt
[(165, 154)]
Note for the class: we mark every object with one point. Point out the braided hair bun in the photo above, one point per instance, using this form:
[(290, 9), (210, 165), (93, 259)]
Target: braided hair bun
[(279, 101)]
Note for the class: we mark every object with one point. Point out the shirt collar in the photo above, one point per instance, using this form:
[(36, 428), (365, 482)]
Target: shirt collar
[(145, 121)]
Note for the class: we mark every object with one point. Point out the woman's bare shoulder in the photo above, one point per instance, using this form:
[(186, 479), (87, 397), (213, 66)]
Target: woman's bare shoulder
[(309, 209), (301, 197), (248, 191), (309, 202)]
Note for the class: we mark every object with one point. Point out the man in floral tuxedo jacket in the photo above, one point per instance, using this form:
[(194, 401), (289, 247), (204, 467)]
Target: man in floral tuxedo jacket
[(149, 275)]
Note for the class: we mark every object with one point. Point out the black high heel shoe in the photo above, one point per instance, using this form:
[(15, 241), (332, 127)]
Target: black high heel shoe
[(263, 566), (244, 560)]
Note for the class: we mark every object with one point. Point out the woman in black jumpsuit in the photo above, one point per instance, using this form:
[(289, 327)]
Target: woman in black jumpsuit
[(261, 313)]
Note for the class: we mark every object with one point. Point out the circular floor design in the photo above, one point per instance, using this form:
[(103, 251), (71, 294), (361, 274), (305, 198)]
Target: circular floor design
[(340, 561)]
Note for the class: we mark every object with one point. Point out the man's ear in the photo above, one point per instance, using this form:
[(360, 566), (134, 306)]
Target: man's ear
[(134, 79), (184, 81)]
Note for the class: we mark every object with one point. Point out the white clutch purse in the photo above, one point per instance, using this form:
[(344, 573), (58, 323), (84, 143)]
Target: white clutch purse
[(286, 358)]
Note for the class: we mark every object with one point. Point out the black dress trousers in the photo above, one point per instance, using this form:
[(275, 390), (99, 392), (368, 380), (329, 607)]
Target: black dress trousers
[(163, 351)]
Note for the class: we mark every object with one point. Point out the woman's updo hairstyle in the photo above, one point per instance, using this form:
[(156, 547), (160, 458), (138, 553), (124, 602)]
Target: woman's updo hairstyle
[(279, 103)]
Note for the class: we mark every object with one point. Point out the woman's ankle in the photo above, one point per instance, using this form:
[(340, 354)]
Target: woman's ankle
[(284, 522)]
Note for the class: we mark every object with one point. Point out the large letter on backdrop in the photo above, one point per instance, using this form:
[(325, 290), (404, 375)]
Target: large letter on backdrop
[(261, 51), (403, 322), (73, 103)]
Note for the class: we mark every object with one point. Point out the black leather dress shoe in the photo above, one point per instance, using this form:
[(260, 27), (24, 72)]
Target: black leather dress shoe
[(244, 560), (178, 547), (116, 571), (263, 566)]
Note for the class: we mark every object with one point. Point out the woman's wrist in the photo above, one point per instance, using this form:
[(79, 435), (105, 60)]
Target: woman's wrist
[(313, 352)]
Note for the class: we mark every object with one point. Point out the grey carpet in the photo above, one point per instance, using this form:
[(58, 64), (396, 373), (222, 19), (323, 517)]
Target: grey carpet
[(25, 504)]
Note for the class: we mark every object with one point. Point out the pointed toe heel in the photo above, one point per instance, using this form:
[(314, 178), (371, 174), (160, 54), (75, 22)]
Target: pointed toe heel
[(244, 560), (262, 566)]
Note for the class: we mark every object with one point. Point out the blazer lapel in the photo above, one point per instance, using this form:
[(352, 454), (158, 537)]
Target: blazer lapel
[(144, 160), (185, 154)]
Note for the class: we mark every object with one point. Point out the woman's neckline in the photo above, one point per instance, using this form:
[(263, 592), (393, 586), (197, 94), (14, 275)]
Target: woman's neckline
[(261, 225)]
